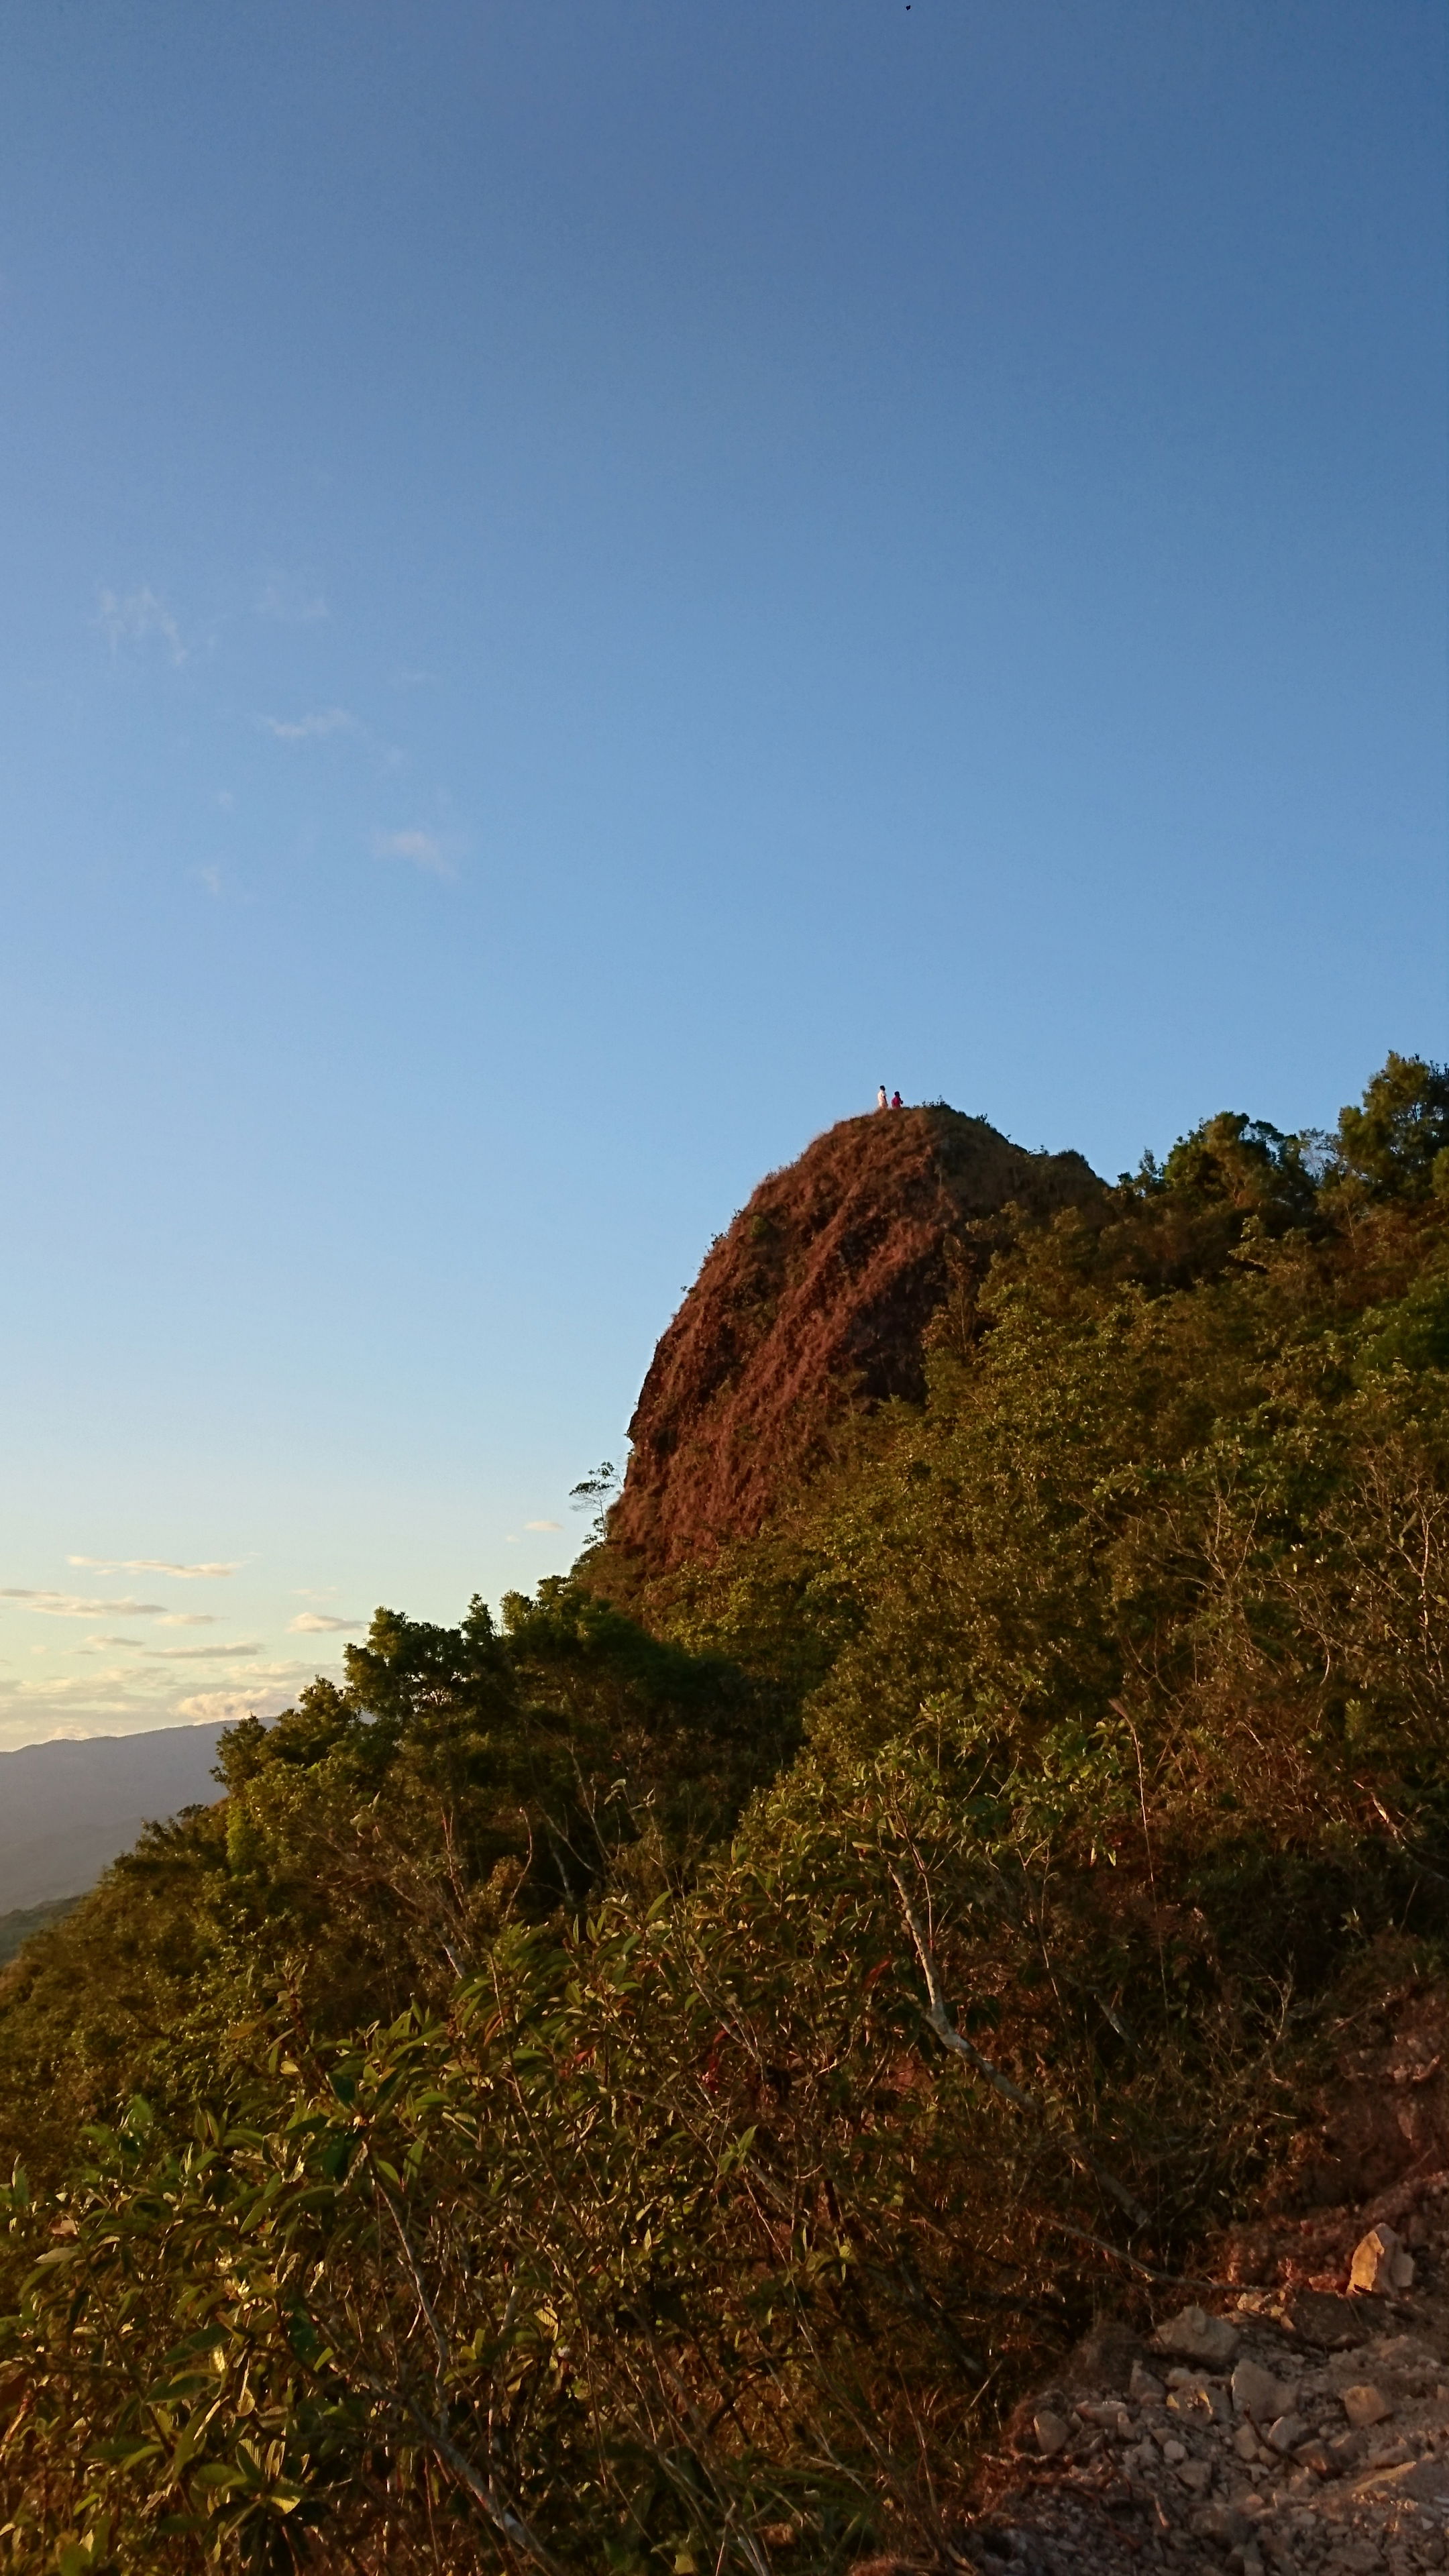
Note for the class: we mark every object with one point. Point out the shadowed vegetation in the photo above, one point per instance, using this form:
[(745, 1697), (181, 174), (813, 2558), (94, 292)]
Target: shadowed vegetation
[(641, 2087)]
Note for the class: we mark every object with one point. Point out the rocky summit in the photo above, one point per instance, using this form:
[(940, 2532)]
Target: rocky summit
[(816, 1301)]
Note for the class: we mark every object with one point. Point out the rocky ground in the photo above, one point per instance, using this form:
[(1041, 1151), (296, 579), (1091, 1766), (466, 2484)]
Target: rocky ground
[(1263, 2429)]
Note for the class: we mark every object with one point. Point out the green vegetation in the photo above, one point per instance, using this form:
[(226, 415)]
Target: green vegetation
[(641, 2090), (17, 1927)]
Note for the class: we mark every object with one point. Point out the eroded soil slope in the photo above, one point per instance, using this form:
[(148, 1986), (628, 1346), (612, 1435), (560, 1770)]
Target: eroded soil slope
[(815, 1301)]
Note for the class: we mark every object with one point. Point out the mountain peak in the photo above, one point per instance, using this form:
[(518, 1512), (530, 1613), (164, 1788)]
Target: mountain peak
[(814, 1303)]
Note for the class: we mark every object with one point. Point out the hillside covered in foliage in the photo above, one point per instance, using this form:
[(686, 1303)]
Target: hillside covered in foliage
[(642, 2086)]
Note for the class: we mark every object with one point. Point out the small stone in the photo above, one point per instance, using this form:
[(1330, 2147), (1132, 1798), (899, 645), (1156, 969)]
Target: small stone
[(1109, 2414), (1143, 2388), (1380, 2262), (1287, 2433), (1052, 2433), (1223, 2522), (1196, 2475), (1245, 2442), (1257, 2393), (1313, 2455), (1199, 2337), (1174, 2450), (1365, 2405)]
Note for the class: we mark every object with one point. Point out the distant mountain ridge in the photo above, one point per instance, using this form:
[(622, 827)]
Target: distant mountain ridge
[(69, 1807), (814, 1302)]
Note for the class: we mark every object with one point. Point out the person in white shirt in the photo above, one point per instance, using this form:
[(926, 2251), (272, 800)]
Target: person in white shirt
[(881, 1101)]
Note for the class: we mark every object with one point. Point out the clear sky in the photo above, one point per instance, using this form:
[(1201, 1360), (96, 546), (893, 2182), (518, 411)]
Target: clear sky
[(584, 581)]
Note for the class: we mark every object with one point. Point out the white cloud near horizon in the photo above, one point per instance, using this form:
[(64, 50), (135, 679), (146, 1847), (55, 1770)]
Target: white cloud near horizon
[(228, 1707), (138, 617), (315, 1623), (543, 1525), (421, 849), (46, 1687), (151, 1565), (310, 728)]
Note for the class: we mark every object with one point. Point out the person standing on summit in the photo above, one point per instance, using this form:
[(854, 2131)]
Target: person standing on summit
[(881, 1101)]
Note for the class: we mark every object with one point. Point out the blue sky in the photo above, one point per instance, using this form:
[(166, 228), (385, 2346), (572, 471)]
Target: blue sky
[(585, 582)]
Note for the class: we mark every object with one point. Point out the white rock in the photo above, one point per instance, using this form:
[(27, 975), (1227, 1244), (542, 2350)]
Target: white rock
[(1051, 2432), (1256, 2393), (1199, 2337), (1365, 2405), (1381, 2262), (1110, 2416)]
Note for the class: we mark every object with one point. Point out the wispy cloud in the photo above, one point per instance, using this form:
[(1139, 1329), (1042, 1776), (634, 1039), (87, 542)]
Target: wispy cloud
[(421, 849), (175, 1654), (79, 1605), (278, 1672), (315, 1623), (289, 601), (543, 1525), (138, 617), (70, 1605), (152, 1565), (311, 728)]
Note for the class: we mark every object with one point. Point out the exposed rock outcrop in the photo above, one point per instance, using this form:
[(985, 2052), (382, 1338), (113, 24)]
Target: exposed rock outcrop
[(816, 1301)]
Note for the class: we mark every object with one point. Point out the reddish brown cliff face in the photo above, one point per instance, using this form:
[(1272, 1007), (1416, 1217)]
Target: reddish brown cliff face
[(815, 1301)]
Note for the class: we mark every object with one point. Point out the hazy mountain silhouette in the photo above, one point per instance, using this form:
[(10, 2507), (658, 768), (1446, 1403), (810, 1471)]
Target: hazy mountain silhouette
[(67, 1808)]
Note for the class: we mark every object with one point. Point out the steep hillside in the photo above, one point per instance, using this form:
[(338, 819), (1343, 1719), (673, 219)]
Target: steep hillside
[(815, 1301), (647, 2089)]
